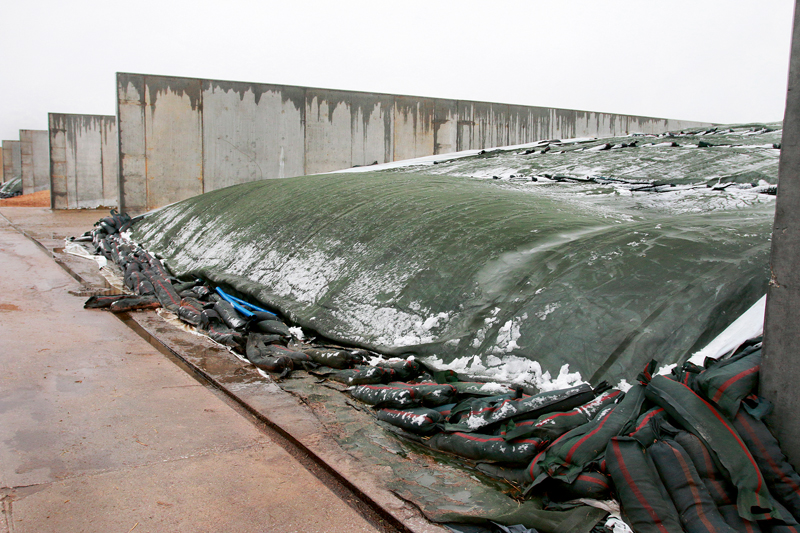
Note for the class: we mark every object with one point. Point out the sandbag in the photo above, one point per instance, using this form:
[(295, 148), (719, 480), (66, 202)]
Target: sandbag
[(190, 311), (480, 447), (722, 491), (731, 516), (592, 485), (480, 388), (229, 315), (782, 480), (430, 394), (271, 326), (696, 509), (133, 303), (420, 420), (360, 375), (551, 426), (400, 370), (645, 428), (701, 418), (526, 408), (387, 396), (101, 301), (333, 358), (644, 499), (145, 288), (727, 382), (275, 365), (164, 291), (576, 450)]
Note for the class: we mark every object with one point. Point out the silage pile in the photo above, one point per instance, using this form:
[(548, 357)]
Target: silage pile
[(597, 254)]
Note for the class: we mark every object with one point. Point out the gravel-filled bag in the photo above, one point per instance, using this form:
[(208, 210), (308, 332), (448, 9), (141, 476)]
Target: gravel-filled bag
[(333, 358), (552, 425), (695, 507), (720, 437), (591, 485), (360, 375), (722, 491), (645, 501), (133, 303), (430, 394), (480, 447), (420, 420), (782, 480), (731, 516), (190, 311), (727, 382), (574, 451), (165, 292), (271, 327), (229, 315), (531, 407), (402, 370), (101, 301), (387, 396)]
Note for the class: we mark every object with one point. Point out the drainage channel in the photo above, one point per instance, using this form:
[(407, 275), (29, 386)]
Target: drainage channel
[(346, 491)]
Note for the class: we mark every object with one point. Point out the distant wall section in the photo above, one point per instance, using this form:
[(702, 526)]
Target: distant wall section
[(84, 161), (12, 160), (35, 156), (179, 137)]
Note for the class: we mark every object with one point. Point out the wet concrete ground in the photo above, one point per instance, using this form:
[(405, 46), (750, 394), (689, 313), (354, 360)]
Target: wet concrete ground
[(101, 432)]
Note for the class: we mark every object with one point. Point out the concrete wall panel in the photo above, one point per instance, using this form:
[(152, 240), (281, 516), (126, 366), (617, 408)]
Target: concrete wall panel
[(251, 132), (35, 159), (83, 161), (173, 118), (131, 132), (12, 160), (414, 129), (179, 137)]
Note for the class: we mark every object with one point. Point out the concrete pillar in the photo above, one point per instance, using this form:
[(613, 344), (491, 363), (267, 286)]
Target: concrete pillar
[(12, 160), (35, 153), (780, 373)]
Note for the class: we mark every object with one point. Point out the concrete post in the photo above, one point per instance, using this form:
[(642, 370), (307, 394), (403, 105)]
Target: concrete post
[(780, 372)]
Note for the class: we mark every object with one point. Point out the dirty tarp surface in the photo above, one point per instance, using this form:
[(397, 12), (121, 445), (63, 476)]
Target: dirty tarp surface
[(653, 257)]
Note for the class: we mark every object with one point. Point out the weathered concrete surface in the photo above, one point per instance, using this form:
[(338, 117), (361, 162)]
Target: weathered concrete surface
[(100, 432), (780, 371), (84, 163), (35, 156), (2, 168), (181, 136), (12, 160)]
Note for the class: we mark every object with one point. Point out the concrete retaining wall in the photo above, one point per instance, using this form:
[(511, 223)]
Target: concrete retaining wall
[(180, 137), (84, 162), (12, 160), (35, 155)]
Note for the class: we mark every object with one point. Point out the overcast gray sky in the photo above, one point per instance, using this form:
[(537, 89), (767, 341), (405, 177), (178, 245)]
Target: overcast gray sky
[(708, 60)]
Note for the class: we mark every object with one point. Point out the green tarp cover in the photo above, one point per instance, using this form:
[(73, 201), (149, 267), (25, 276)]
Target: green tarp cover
[(661, 250)]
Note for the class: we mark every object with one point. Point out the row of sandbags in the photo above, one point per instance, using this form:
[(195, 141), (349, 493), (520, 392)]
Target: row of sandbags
[(684, 452)]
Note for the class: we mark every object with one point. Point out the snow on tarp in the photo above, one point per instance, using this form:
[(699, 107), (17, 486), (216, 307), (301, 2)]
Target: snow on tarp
[(654, 255)]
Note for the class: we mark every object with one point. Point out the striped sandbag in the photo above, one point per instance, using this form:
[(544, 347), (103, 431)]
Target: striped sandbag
[(550, 426), (645, 501), (486, 447), (775, 526), (727, 382), (574, 451), (722, 491), (645, 428), (731, 516), (592, 485), (782, 480), (532, 407), (400, 370), (420, 420), (388, 396), (695, 507), (719, 436), (360, 375), (430, 394)]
